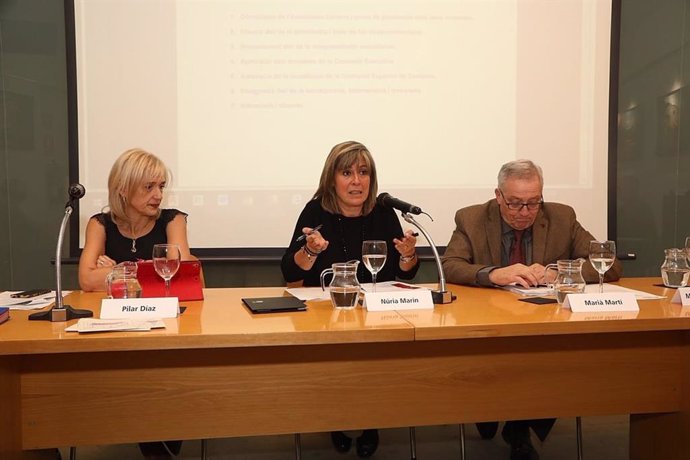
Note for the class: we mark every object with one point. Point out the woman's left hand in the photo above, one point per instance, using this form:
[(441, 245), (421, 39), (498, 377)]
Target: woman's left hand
[(406, 245)]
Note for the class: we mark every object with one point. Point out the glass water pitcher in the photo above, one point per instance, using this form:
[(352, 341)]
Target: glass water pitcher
[(675, 270), (122, 282), (344, 286), (569, 279)]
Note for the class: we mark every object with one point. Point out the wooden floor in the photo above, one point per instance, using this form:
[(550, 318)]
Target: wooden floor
[(605, 438)]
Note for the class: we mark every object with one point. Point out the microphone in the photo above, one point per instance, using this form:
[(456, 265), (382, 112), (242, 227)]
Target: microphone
[(62, 312), (385, 199), (76, 191), (441, 295)]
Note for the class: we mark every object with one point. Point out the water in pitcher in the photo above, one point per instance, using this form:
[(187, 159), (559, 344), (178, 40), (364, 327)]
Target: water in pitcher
[(568, 278), (674, 277), (344, 297), (675, 270), (563, 291), (122, 283), (344, 286), (125, 289)]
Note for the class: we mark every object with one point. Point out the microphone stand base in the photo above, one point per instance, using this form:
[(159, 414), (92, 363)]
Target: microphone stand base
[(442, 297), (56, 315)]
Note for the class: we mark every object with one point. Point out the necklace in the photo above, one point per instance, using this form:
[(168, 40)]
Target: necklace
[(134, 240), (133, 235)]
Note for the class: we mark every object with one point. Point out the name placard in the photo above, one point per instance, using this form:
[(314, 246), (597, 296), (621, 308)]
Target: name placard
[(607, 301), (399, 300), (682, 296), (153, 307)]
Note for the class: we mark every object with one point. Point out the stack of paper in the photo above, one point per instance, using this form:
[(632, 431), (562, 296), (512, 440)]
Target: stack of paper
[(589, 289), (34, 303), (104, 325)]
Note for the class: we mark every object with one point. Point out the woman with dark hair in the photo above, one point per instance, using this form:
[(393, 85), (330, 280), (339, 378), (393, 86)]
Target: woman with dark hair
[(345, 208)]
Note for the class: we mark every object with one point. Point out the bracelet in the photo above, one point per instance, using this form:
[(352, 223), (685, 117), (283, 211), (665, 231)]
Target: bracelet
[(309, 252), (406, 259)]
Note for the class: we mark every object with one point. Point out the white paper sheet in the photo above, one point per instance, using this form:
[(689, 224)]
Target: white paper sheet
[(310, 293), (391, 286), (105, 325), (315, 293), (608, 288)]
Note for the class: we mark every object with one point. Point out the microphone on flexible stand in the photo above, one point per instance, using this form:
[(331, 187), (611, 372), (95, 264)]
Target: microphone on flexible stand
[(76, 192), (386, 200), (442, 295), (62, 312)]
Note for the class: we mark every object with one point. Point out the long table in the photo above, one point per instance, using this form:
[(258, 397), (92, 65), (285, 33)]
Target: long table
[(219, 371)]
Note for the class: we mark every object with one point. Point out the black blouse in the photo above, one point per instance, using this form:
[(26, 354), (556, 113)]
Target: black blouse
[(119, 247), (345, 236)]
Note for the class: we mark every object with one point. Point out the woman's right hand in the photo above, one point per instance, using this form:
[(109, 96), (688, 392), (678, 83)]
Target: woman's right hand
[(104, 261), (315, 242)]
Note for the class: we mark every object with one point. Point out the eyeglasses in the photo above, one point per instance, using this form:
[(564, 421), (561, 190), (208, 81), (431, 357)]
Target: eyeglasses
[(517, 206)]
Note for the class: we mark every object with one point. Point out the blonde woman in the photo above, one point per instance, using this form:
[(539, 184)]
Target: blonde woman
[(134, 221)]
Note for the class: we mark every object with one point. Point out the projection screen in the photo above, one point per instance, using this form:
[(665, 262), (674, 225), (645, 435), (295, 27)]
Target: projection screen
[(244, 99)]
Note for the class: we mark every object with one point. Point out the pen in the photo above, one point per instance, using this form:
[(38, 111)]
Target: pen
[(304, 235)]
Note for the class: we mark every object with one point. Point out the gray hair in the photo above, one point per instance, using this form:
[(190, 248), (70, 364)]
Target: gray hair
[(520, 169)]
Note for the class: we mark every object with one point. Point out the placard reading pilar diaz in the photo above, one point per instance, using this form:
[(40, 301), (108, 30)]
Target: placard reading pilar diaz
[(153, 307), (418, 299), (608, 301), (682, 296)]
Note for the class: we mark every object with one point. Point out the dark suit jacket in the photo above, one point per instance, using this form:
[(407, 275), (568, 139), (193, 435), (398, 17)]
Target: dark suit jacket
[(476, 242)]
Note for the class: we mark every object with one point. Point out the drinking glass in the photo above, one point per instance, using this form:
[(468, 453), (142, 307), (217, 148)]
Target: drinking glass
[(687, 248), (374, 254), (166, 262), (602, 254)]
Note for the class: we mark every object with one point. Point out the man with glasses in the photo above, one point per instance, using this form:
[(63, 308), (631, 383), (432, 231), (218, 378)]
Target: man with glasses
[(509, 240)]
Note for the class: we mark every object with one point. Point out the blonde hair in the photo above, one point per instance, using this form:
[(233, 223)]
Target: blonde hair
[(341, 158), (131, 170)]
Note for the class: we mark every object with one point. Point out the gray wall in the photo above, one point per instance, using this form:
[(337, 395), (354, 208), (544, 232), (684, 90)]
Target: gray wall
[(653, 169), (33, 139), (653, 159)]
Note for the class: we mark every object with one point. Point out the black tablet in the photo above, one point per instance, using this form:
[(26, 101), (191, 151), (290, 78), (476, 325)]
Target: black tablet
[(274, 304), (538, 300)]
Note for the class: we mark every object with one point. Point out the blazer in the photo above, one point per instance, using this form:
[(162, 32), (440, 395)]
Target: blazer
[(556, 234)]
